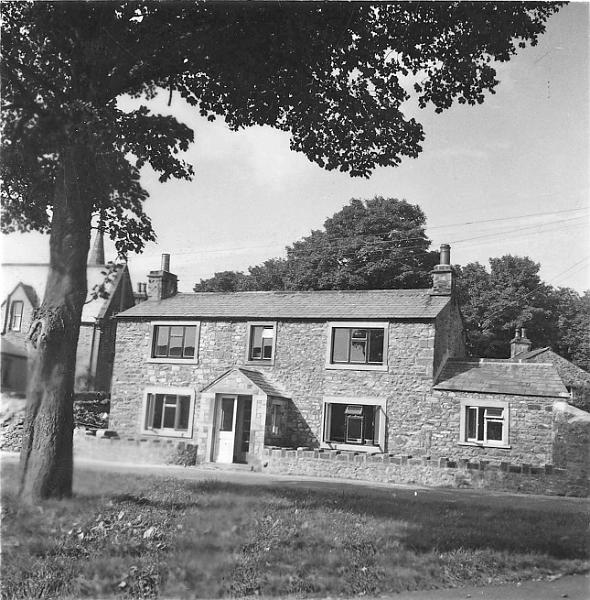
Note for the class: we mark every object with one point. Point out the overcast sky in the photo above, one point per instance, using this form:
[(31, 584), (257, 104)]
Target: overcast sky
[(510, 176)]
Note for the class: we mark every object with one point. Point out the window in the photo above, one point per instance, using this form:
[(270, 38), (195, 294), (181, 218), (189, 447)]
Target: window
[(174, 342), (261, 343), (354, 423), (484, 423), (168, 411), (357, 346), (16, 315)]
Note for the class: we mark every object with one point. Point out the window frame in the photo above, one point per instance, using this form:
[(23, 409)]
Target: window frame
[(11, 326), (380, 425), (384, 325), (260, 362), (176, 359), (167, 431), (479, 404)]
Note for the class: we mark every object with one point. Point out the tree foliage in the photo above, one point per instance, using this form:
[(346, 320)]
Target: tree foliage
[(373, 244), (513, 295), (330, 74)]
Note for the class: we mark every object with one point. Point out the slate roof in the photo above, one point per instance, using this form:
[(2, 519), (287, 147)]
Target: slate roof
[(502, 377), (530, 354), (34, 278), (333, 304)]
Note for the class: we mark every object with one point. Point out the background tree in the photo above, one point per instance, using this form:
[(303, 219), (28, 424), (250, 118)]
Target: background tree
[(372, 244), (330, 74), (512, 295)]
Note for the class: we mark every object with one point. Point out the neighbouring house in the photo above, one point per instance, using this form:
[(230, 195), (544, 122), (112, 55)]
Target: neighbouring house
[(23, 288), (575, 379), (379, 371)]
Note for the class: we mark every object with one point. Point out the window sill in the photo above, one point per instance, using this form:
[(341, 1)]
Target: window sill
[(352, 367), (260, 363), (166, 433), (173, 361), (350, 447), (484, 445)]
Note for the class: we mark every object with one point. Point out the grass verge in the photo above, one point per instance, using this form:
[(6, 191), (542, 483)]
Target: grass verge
[(138, 537)]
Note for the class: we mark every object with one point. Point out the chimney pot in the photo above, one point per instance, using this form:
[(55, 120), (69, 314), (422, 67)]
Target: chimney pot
[(166, 262), (523, 332), (445, 254)]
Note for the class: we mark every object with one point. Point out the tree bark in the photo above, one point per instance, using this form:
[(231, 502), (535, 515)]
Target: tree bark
[(46, 460)]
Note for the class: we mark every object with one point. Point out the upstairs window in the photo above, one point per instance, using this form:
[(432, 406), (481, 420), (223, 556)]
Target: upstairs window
[(174, 342), (261, 343), (16, 315), (352, 345)]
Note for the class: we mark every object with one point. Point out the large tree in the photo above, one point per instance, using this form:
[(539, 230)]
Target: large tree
[(330, 74), (372, 244), (512, 295)]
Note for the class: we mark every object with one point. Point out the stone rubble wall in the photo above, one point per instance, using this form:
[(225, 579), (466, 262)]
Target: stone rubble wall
[(461, 473), (133, 450)]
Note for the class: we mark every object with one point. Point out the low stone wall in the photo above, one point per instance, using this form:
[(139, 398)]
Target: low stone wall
[(140, 450), (500, 476)]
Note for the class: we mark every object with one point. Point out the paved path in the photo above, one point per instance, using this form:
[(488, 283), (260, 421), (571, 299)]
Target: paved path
[(572, 587)]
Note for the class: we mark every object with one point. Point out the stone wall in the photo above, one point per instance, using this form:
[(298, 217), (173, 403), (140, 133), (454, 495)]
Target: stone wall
[(140, 450), (420, 421), (299, 368), (458, 473)]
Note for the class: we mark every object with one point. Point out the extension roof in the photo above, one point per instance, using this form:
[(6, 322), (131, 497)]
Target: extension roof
[(502, 377), (333, 304)]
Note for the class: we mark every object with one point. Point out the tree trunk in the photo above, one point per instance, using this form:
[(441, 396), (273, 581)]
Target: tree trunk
[(46, 457)]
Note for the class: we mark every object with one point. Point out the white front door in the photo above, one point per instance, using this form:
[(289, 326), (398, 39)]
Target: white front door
[(226, 429)]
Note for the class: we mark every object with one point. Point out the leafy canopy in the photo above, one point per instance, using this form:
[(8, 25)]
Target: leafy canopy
[(373, 244), (332, 75)]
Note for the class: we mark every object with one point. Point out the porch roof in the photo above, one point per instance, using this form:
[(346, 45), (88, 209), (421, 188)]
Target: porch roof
[(255, 377)]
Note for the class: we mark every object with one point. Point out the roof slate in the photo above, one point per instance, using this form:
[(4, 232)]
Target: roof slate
[(257, 378), (523, 379), (333, 304)]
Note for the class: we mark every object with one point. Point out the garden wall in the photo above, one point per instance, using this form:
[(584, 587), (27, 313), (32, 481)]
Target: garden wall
[(461, 473)]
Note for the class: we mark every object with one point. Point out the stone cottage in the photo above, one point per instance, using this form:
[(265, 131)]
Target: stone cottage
[(24, 284), (378, 371)]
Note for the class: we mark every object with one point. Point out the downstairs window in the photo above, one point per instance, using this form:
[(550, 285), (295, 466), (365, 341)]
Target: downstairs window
[(484, 423), (168, 414)]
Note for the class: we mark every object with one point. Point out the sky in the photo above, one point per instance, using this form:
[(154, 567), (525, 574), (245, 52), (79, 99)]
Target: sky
[(510, 176)]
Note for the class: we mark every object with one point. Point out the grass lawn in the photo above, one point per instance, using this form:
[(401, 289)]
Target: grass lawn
[(138, 537)]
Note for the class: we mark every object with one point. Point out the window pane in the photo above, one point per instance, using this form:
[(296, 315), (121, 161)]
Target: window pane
[(256, 342), (268, 332), (354, 429), (162, 335), (359, 334), (337, 423), (158, 409), (149, 407), (340, 344), (267, 349), (471, 423), (169, 416), (190, 335), (369, 433), (184, 403), (494, 412), (376, 337), (227, 414), (358, 351), (480, 424), (495, 430), (176, 339)]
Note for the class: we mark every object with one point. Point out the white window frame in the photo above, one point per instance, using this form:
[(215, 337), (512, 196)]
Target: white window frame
[(174, 360), (357, 325), (381, 422), (261, 362), (11, 324), (479, 403), (168, 432)]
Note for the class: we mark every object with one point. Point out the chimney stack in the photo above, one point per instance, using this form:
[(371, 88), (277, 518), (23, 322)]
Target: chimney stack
[(162, 284), (442, 274), (520, 343)]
